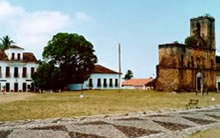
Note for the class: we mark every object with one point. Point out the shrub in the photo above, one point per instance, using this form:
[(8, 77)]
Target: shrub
[(191, 40)]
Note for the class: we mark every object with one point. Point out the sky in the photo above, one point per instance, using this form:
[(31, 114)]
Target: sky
[(138, 25)]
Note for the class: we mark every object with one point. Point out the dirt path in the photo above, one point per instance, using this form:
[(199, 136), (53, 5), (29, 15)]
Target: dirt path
[(10, 97)]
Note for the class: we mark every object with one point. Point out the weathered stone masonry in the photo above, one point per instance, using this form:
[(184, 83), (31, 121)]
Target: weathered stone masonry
[(189, 68)]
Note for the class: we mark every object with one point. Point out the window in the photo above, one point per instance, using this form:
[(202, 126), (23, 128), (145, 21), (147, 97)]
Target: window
[(13, 56), (198, 26), (24, 73), (198, 62), (192, 62), (7, 72), (116, 82), (99, 83), (105, 83), (19, 56), (32, 71), (16, 72), (182, 61), (110, 83), (90, 83), (212, 64)]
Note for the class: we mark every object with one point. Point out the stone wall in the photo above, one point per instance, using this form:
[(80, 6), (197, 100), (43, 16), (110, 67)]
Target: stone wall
[(179, 64)]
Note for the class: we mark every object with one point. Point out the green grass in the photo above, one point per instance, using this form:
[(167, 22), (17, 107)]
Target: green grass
[(68, 104)]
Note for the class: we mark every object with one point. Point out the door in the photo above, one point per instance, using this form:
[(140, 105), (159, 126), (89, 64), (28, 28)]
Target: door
[(218, 85), (16, 87), (24, 87), (199, 83), (7, 87)]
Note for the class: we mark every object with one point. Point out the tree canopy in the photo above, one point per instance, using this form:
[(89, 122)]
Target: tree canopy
[(47, 76), (72, 55), (128, 75), (5, 42)]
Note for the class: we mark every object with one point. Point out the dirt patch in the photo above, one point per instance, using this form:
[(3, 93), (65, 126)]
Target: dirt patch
[(130, 119), (172, 126), (10, 97), (158, 116), (54, 128), (214, 116), (199, 121), (95, 123), (133, 132), (4, 134), (83, 135)]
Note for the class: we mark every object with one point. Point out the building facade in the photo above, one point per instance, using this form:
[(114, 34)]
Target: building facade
[(189, 67), (144, 84), (16, 70), (100, 78)]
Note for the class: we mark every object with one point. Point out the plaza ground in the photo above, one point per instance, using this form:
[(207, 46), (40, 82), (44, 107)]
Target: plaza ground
[(21, 106)]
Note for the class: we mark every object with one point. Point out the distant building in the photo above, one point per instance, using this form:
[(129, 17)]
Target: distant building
[(145, 84), (218, 73), (16, 69), (101, 78), (189, 67)]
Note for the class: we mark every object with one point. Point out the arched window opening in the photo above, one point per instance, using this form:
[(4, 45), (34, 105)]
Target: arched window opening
[(212, 64), (198, 62)]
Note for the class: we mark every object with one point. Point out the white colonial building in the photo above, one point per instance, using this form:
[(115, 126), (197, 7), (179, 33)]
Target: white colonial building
[(16, 69), (101, 78)]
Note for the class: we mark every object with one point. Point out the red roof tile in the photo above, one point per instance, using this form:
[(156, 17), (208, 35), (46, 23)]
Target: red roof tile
[(16, 47), (136, 82), (3, 56), (103, 70), (29, 57)]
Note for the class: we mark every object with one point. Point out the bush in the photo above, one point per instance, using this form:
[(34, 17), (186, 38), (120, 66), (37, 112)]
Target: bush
[(191, 40)]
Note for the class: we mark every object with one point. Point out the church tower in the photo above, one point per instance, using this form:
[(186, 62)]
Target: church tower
[(204, 26)]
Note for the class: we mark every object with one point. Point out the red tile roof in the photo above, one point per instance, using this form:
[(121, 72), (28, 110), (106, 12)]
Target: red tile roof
[(3, 56), (29, 57), (136, 82), (103, 70)]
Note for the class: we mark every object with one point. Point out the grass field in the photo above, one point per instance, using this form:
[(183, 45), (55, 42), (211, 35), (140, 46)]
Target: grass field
[(22, 106), (210, 133)]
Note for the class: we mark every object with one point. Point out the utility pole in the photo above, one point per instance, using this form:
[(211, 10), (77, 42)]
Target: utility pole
[(119, 66)]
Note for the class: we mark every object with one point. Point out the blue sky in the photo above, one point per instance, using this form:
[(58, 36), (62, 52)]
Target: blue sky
[(139, 25)]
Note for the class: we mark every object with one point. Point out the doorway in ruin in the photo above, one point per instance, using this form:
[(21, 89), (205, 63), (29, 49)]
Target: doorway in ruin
[(199, 82)]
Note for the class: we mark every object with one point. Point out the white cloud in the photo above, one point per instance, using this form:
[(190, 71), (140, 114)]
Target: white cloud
[(83, 17), (6, 10), (32, 30)]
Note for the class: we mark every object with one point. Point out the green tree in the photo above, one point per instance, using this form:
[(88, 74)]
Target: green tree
[(128, 75), (191, 40), (5, 42), (47, 77), (73, 55)]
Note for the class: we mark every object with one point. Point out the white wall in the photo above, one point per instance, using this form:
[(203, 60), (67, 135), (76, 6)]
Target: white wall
[(20, 80), (16, 51), (96, 76)]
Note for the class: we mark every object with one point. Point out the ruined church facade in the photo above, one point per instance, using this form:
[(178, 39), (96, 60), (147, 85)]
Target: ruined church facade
[(189, 67)]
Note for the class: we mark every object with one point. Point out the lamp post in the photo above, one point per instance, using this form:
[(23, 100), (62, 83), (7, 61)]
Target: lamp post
[(119, 66)]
